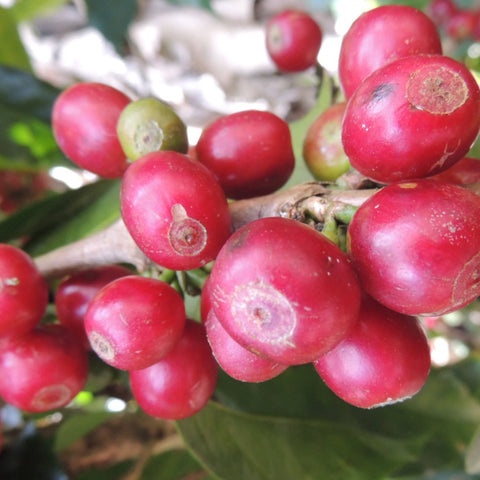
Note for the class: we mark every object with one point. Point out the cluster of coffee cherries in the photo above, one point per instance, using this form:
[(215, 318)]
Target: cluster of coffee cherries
[(279, 292)]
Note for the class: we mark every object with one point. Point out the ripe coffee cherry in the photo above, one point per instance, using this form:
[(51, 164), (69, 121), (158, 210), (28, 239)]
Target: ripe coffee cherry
[(149, 125), (441, 10), (175, 210), (416, 247), (412, 118), (43, 369), (293, 40), (465, 171), (322, 147), (235, 360), (380, 36), (23, 292), (263, 302), (84, 121), (249, 152), (76, 291), (385, 359), (133, 322), (183, 382)]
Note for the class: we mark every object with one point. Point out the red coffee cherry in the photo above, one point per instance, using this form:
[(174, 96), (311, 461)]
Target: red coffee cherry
[(385, 359), (380, 36), (416, 247), (181, 384), (43, 369), (249, 152), (235, 360), (23, 293), (133, 322), (84, 122), (412, 118), (464, 172), (175, 210), (263, 302), (75, 292), (293, 40)]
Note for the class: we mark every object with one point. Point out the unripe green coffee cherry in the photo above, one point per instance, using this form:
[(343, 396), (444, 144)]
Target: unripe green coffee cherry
[(149, 125)]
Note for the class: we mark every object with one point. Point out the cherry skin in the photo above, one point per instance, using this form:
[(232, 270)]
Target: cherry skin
[(385, 359), (416, 247), (24, 292), (412, 118), (293, 40), (322, 147), (84, 122), (133, 322), (465, 171), (75, 292), (264, 304), (235, 360), (181, 384), (43, 369), (249, 152), (380, 36), (175, 210), (149, 125)]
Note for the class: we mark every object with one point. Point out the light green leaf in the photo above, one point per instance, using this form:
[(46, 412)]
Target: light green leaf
[(12, 51), (24, 10)]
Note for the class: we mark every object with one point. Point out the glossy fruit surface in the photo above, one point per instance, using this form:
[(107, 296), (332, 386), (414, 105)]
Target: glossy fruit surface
[(84, 121), (263, 302), (134, 321), (43, 369), (416, 247), (412, 118), (293, 40), (385, 359), (23, 293), (75, 292), (322, 147), (235, 360), (175, 210), (183, 382), (380, 36), (463, 172), (250, 153), (150, 125)]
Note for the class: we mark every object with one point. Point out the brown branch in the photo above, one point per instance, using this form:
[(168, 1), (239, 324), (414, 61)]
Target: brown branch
[(309, 200)]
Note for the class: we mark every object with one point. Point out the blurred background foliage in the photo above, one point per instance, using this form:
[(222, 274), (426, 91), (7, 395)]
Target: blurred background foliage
[(290, 428)]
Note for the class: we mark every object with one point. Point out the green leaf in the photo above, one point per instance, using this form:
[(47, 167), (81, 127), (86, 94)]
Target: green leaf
[(77, 426), (112, 18), (259, 423), (24, 93), (95, 209), (205, 4), (24, 10), (56, 211), (12, 51)]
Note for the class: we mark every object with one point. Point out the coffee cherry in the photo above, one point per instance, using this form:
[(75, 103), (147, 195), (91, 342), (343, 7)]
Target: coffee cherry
[(412, 118), (133, 322), (175, 210), (380, 36), (235, 360), (416, 247), (23, 292), (183, 382), (293, 40), (249, 152), (75, 292), (149, 125), (84, 122), (464, 172), (322, 147), (43, 369), (441, 10), (385, 359), (266, 305)]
